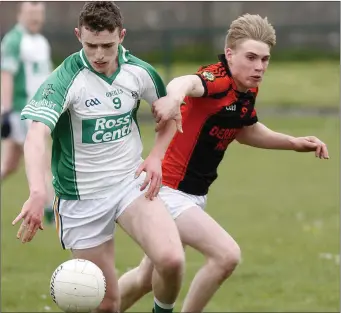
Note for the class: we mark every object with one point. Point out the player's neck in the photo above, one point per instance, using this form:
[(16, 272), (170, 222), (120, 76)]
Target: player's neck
[(112, 69), (240, 87), (237, 85)]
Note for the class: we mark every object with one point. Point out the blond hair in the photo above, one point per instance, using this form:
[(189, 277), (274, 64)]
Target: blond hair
[(250, 27)]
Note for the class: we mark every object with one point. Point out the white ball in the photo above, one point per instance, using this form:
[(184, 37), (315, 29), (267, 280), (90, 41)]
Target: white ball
[(77, 286)]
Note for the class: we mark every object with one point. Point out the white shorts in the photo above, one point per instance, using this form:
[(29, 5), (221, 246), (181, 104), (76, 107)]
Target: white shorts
[(19, 128), (177, 201), (83, 224)]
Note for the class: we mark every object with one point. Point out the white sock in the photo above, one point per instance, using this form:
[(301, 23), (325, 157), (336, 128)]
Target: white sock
[(163, 305)]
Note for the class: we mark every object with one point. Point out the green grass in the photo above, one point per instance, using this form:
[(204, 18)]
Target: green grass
[(289, 84), (281, 207)]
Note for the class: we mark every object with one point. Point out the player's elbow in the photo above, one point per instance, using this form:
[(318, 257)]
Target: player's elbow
[(241, 140)]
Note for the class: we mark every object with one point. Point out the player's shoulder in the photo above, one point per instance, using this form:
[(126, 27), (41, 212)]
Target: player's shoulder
[(13, 37), (215, 78), (216, 69), (68, 70), (135, 64)]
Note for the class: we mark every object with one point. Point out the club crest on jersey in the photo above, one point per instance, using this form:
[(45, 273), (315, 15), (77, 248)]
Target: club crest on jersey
[(208, 76), (135, 95), (48, 91)]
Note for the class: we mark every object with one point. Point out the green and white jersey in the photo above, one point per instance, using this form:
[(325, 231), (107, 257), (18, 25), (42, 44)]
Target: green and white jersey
[(96, 139), (28, 57)]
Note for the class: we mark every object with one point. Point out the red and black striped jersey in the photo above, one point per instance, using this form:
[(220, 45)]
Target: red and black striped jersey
[(210, 124)]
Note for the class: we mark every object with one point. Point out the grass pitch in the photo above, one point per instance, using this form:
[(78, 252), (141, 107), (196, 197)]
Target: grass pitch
[(281, 207)]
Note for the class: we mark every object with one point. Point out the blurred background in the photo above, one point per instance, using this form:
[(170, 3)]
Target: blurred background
[(177, 37), (281, 207)]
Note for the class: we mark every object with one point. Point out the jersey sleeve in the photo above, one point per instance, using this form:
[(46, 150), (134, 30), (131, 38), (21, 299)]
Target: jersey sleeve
[(10, 52), (153, 87), (252, 119), (214, 79), (52, 98)]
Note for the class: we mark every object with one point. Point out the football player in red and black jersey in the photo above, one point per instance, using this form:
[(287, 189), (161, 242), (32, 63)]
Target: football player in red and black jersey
[(219, 108)]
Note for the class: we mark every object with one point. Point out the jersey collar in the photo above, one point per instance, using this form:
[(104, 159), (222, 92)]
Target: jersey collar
[(122, 58), (223, 60)]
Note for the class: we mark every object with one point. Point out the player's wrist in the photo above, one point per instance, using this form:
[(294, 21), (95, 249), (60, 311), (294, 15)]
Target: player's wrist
[(292, 143), (156, 153), (176, 97), (38, 194)]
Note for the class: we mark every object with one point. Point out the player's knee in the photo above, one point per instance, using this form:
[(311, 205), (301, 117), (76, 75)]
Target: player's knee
[(227, 260), (171, 263)]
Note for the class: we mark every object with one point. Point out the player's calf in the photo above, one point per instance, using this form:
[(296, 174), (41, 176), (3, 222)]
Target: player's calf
[(136, 283), (166, 280), (102, 256), (203, 233)]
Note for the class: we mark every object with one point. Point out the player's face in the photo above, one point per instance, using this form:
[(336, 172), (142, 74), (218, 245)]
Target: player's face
[(101, 48), (32, 16), (248, 63)]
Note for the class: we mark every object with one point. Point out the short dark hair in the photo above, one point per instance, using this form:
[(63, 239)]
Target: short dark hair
[(97, 16)]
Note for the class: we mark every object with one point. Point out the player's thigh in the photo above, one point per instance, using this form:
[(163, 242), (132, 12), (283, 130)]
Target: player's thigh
[(149, 224), (200, 231), (86, 227), (103, 256), (84, 224), (178, 202), (197, 229), (11, 153)]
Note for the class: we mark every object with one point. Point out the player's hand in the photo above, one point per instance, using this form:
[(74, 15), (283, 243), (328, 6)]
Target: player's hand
[(153, 168), (32, 214), (309, 144), (165, 109)]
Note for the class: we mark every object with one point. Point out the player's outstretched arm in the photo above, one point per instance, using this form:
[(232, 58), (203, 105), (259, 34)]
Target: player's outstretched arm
[(188, 85), (168, 107), (163, 139), (34, 153), (33, 209), (259, 136), (154, 91), (153, 163)]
